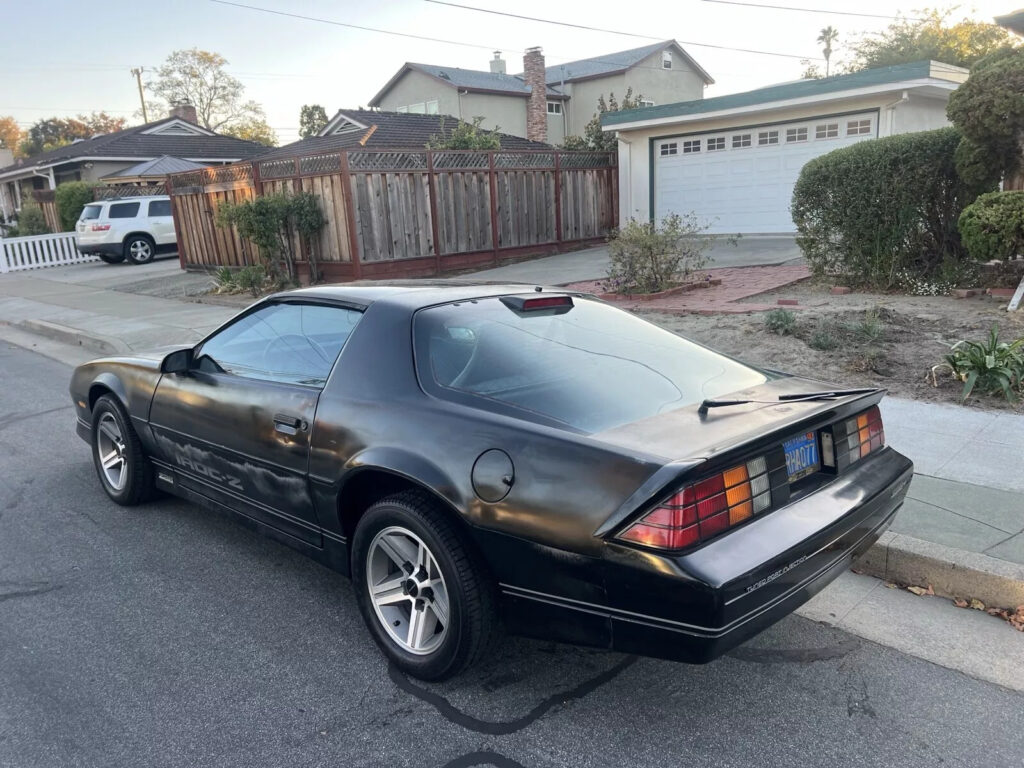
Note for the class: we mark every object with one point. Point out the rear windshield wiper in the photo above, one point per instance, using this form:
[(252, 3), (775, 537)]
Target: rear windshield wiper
[(825, 395)]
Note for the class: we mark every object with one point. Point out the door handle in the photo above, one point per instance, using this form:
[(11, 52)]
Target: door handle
[(288, 424)]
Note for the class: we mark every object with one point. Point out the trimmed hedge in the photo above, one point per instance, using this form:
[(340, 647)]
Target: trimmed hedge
[(878, 208), (992, 227), (70, 198)]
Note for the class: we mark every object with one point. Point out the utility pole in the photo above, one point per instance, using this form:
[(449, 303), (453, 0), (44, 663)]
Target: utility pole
[(137, 72)]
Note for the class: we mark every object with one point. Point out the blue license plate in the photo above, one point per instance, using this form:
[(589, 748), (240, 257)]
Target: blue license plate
[(802, 456)]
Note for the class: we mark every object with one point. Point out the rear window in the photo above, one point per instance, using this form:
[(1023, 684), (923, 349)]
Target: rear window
[(160, 208), (123, 211), (591, 367), (91, 212)]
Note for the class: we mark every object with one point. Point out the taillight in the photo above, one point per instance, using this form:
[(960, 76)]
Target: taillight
[(703, 510), (855, 438), (100, 227)]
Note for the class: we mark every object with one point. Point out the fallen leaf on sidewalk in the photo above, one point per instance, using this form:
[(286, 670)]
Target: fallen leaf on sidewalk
[(960, 603), (890, 585), (922, 591), (977, 605)]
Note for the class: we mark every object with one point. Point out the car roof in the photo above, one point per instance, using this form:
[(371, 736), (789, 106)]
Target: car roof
[(413, 294), (131, 199)]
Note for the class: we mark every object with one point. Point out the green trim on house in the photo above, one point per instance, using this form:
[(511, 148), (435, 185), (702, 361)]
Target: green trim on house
[(784, 92)]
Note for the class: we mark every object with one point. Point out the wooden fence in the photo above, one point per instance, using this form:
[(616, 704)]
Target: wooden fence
[(409, 213)]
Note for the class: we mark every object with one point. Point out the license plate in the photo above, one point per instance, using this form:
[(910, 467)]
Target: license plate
[(802, 456)]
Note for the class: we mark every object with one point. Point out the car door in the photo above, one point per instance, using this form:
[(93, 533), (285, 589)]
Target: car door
[(236, 427), (160, 223)]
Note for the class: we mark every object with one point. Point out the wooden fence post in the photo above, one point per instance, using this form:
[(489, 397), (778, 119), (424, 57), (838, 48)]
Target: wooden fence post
[(432, 203), (350, 213), (614, 171), (558, 197), (179, 233), (492, 176)]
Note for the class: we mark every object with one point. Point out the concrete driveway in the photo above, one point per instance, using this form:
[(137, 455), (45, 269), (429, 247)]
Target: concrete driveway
[(592, 263)]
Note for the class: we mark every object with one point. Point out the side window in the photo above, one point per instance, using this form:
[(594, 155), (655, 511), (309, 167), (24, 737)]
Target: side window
[(291, 343), (123, 211), (160, 208)]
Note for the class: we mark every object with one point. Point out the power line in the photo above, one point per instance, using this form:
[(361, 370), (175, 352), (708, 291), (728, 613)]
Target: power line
[(809, 10), (614, 31)]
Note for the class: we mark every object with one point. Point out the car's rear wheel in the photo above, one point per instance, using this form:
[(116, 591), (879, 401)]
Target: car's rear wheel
[(111, 258), (423, 593), (124, 471), (139, 249)]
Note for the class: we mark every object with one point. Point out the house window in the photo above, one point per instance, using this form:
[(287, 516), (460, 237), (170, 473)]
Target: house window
[(741, 140), (689, 147), (858, 127), (716, 143), (433, 107), (403, 110), (645, 102), (827, 131), (764, 138), (669, 149), (796, 134), (418, 109), (554, 108), (666, 59)]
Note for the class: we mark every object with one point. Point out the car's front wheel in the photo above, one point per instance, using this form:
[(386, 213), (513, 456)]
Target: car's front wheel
[(124, 471), (111, 258), (423, 593), (139, 249)]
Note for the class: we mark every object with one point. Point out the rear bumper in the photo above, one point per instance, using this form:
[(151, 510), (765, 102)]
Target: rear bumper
[(111, 249), (696, 607)]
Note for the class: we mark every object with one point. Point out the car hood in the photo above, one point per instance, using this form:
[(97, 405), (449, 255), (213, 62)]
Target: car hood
[(686, 435), (148, 359)]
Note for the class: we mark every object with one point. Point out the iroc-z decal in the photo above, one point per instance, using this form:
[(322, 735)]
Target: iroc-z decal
[(213, 474)]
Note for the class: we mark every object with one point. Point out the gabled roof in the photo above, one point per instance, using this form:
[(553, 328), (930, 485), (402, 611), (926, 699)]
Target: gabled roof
[(475, 80), (1013, 20), (170, 136), (160, 166), (613, 63), (369, 129), (920, 71)]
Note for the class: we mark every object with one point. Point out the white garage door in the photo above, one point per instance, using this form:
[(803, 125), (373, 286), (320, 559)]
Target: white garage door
[(742, 180)]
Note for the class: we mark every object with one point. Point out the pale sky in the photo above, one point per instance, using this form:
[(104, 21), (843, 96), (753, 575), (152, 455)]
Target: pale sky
[(61, 57)]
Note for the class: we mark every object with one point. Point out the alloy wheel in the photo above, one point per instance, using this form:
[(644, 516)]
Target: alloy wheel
[(112, 451), (140, 250), (407, 590)]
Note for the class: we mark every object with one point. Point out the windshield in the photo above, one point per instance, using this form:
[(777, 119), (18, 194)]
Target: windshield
[(591, 366)]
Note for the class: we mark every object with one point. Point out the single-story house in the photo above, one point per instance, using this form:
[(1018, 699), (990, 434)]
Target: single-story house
[(370, 129), (150, 173), (545, 103), (177, 135), (733, 160)]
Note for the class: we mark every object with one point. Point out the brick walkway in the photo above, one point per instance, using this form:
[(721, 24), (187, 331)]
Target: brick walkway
[(737, 283)]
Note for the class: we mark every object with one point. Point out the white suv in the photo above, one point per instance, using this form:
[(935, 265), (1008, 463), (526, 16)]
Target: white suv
[(132, 228)]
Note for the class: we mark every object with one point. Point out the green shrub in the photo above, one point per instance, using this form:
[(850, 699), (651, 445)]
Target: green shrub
[(251, 279), (867, 212), (993, 366), (648, 256), (780, 321), (31, 220), (825, 337), (871, 328), (992, 227), (71, 197)]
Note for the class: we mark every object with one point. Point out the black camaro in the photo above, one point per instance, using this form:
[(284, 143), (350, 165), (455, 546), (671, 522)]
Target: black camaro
[(479, 456)]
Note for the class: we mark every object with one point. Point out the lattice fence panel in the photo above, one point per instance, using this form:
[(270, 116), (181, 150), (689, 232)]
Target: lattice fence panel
[(276, 169), (504, 160), (444, 161), (586, 160), (320, 164), (387, 161), (226, 174)]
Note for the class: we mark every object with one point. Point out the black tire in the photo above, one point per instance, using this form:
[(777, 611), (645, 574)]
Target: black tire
[(139, 249), (111, 258), (138, 484), (473, 623)]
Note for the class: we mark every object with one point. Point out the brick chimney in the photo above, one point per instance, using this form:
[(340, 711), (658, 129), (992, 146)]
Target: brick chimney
[(498, 64), (537, 105), (185, 111)]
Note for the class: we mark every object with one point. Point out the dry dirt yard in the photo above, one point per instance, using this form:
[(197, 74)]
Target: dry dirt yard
[(885, 340)]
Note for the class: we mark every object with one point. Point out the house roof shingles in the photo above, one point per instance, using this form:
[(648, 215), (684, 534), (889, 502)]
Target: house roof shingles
[(480, 80), (611, 63), (785, 91), (135, 143), (386, 130), (160, 166)]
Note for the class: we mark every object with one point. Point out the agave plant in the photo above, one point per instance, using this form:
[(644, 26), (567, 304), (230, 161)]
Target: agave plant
[(994, 366)]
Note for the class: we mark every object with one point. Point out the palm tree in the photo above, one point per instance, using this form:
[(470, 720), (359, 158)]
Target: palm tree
[(827, 37)]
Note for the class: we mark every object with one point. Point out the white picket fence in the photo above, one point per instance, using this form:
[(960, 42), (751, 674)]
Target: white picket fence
[(37, 251)]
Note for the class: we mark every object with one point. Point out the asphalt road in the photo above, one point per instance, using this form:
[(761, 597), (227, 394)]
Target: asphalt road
[(171, 636)]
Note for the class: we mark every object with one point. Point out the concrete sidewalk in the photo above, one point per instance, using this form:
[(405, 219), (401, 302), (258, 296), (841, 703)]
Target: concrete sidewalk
[(961, 529)]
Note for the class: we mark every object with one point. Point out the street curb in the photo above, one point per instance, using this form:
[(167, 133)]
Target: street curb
[(105, 345), (949, 571)]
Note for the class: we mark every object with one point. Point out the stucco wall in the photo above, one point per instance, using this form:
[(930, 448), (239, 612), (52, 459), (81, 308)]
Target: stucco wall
[(585, 93), (634, 157), (506, 113), (415, 87), (665, 86)]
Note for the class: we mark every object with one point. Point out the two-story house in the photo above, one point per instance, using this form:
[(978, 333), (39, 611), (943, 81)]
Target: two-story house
[(545, 103)]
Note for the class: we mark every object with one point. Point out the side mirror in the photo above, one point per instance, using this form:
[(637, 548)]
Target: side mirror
[(177, 362)]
